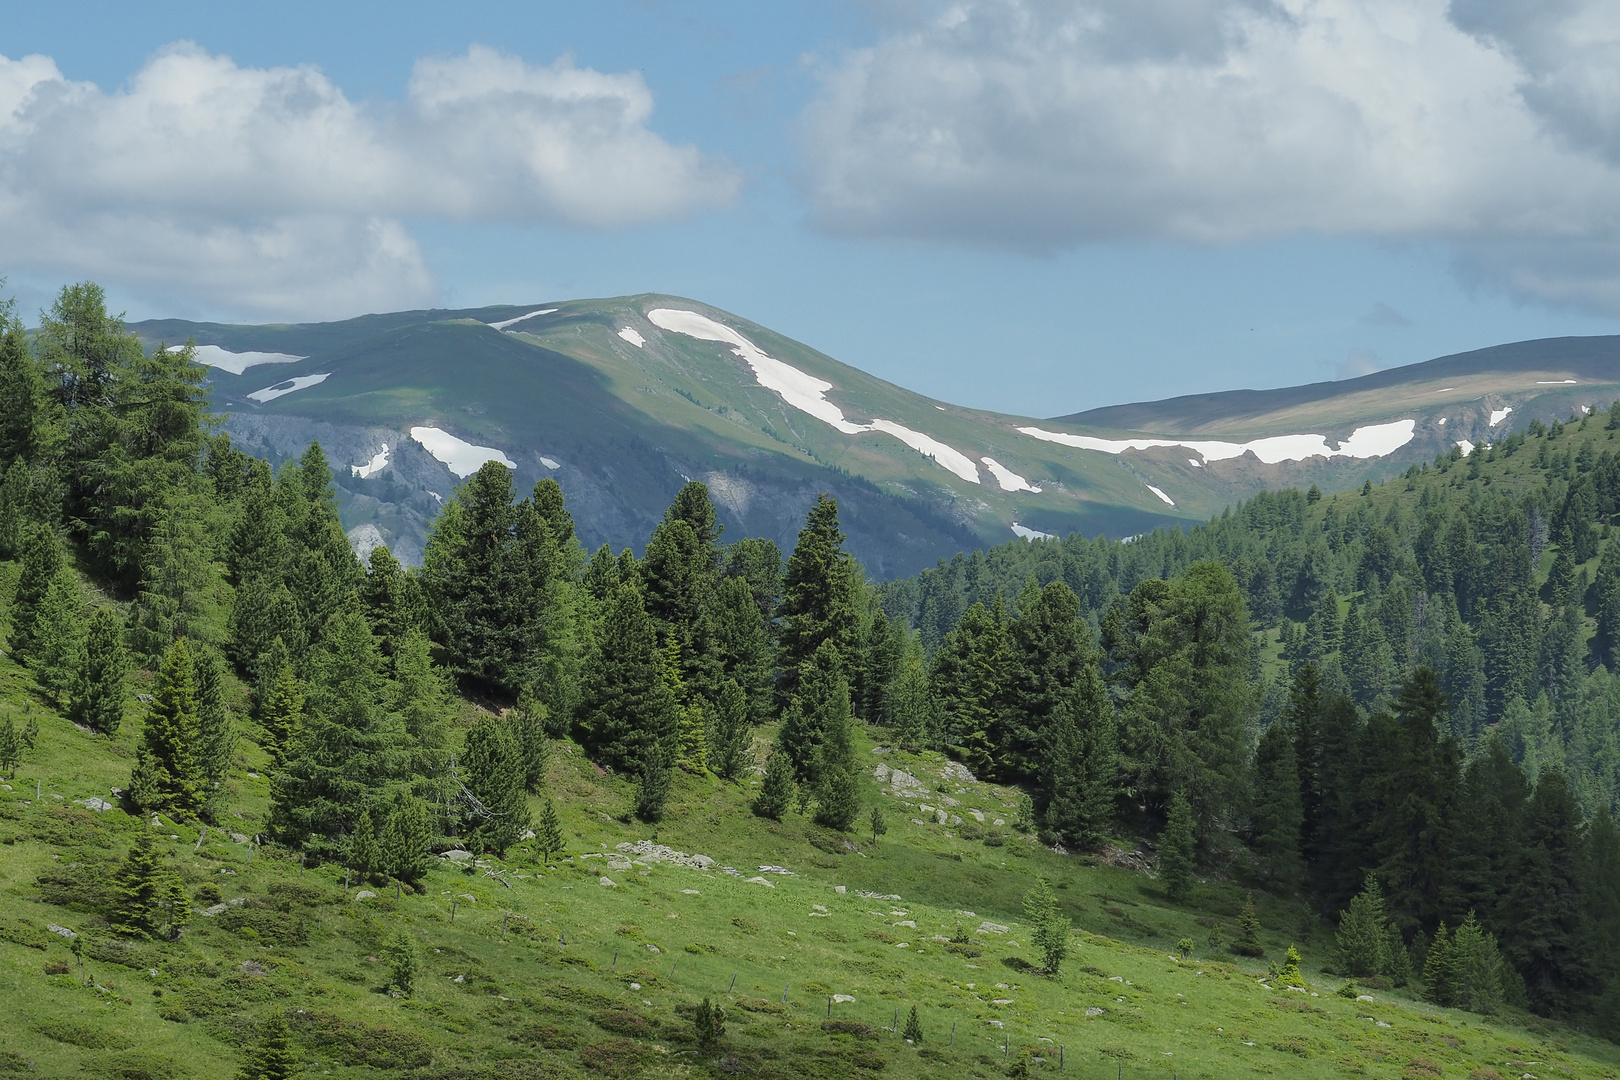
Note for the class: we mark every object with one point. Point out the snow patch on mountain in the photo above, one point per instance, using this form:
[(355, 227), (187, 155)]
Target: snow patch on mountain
[(1025, 533), (1498, 415), (282, 389), (504, 323), (804, 391), (378, 462), (236, 362), (1375, 440), (633, 336), (1009, 480), (459, 456), (1161, 495)]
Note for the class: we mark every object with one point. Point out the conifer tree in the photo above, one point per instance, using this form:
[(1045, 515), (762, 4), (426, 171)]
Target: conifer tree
[(1543, 911), (400, 952), (1080, 766), (730, 737), (41, 565), (967, 683), (1048, 651), (280, 710), (777, 788), (266, 627), (691, 750), (11, 748), (423, 700), (652, 785), (98, 691), (1415, 798), (837, 786), (1248, 930), (528, 722), (1277, 814), (548, 837), (734, 642), (913, 1033), (818, 605), (823, 693), (1176, 850), (1289, 974), (216, 737), (24, 407), (56, 649), (1476, 969), (1363, 933), (1049, 927), (180, 586), (404, 847), (169, 765), (909, 704), (495, 787), (709, 1024), (1440, 968), (273, 1058), (147, 895), (365, 854), (627, 713)]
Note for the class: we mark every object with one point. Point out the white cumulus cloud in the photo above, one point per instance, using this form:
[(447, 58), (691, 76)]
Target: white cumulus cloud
[(1489, 125), (269, 190)]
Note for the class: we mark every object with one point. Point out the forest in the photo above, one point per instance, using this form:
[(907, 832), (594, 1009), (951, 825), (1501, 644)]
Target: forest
[(1396, 703)]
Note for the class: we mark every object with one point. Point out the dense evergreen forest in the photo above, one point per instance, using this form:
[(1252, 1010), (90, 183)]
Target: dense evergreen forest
[(1397, 703)]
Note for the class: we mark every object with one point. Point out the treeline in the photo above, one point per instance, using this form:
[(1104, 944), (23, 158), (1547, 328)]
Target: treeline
[(1305, 690)]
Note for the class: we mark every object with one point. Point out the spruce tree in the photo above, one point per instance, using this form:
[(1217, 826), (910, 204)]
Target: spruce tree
[(528, 722), (1415, 800), (1277, 814), (1363, 933), (147, 896), (909, 703), (216, 737), (818, 605), (400, 953), (1080, 766), (1049, 927), (1048, 651), (280, 710), (56, 649), (495, 787), (548, 837), (1176, 850), (777, 788), (11, 748), (823, 693), (98, 691), (169, 764), (626, 713), (913, 1033), (1440, 968), (1248, 930), (967, 682), (652, 785), (407, 836), (709, 1024), (730, 737), (180, 586), (837, 784), (364, 854), (1476, 969), (273, 1058), (41, 564), (423, 700), (691, 749), (1544, 910), (734, 642)]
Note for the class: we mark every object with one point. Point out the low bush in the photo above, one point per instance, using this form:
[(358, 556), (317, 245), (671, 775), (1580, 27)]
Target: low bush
[(858, 1028), (87, 1038), (355, 1042)]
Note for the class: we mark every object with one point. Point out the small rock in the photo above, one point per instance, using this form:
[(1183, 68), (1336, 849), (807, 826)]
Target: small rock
[(252, 967), (918, 821), (456, 855), (253, 776), (364, 894), (653, 948), (995, 1023), (691, 892), (759, 880), (238, 838), (908, 922), (839, 889), (61, 930), (967, 914), (977, 815), (1001, 1001), (99, 805), (618, 862), (635, 986), (818, 907), (1001, 821), (459, 978), (607, 883), (988, 927), (839, 999), (1364, 997), (881, 772), (925, 808), (1381, 1023), (902, 944), (528, 834), (1095, 1010), (210, 912)]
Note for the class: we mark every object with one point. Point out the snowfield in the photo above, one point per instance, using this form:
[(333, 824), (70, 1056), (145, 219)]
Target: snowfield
[(1161, 495), (282, 389), (504, 323), (378, 462), (804, 391), (236, 362), (1009, 480), (1498, 415), (1365, 442), (458, 455), (633, 336), (1029, 534), (1467, 447)]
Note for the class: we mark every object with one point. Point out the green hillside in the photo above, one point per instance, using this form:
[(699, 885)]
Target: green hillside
[(1324, 786)]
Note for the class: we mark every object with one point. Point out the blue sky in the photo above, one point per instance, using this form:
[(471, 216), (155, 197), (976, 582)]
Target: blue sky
[(1025, 205)]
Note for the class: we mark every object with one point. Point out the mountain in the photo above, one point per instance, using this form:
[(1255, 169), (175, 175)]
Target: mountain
[(622, 400)]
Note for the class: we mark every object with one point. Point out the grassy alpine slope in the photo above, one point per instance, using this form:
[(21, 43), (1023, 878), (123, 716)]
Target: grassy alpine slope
[(545, 970)]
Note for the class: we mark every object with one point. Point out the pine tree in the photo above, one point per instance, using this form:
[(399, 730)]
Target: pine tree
[(730, 737), (274, 1057), (11, 748), (734, 642), (909, 702), (627, 714), (400, 953), (967, 682), (709, 1024), (548, 837), (777, 788), (913, 1033), (98, 691), (1363, 933), (56, 648), (169, 767), (365, 854), (1277, 815), (652, 785), (147, 896), (1049, 927), (529, 730), (1440, 968), (1049, 650), (837, 786), (216, 738), (1476, 969), (819, 601), (1543, 911), (691, 750), (822, 694), (41, 564), (404, 847), (1176, 850), (1080, 766), (280, 709), (1248, 930), (495, 788)]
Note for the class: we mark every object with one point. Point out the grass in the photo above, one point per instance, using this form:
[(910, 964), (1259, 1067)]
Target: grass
[(543, 971)]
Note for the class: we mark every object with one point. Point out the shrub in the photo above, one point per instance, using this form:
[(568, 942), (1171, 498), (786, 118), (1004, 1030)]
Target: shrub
[(858, 1028), (709, 1025), (617, 1058), (57, 967), (87, 1038), (401, 956), (624, 1022), (354, 1042)]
